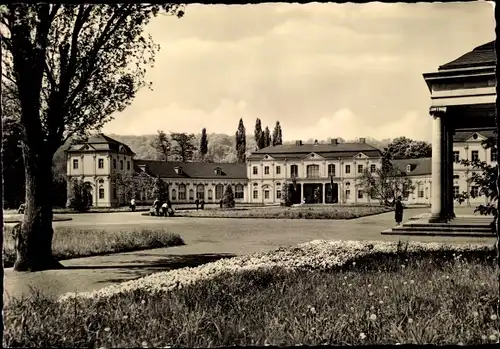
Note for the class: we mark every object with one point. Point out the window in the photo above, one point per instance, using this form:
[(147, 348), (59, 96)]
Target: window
[(493, 154), (100, 163), (360, 168), (219, 191), (114, 164), (200, 192), (114, 193), (266, 194), (174, 195), (360, 194), (255, 194), (456, 156), (278, 170), (255, 170), (238, 191), (456, 177), (191, 194), (373, 168), (101, 193), (347, 168), (121, 164), (347, 194), (420, 193), (101, 181), (312, 171), (278, 194), (128, 165), (75, 164), (294, 170), (210, 194), (182, 192), (475, 155), (266, 170), (474, 192), (331, 170), (456, 191)]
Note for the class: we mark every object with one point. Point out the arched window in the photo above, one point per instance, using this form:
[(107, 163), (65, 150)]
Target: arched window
[(238, 192), (191, 194), (182, 191), (200, 192), (174, 195), (210, 194), (331, 170), (219, 191), (294, 170), (312, 171)]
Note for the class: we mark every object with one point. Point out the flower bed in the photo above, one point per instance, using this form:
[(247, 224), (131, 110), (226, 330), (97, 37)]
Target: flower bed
[(317, 254)]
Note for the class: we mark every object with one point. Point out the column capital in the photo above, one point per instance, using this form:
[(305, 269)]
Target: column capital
[(437, 111)]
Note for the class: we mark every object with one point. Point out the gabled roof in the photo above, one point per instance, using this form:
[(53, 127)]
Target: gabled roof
[(328, 151), (462, 136), (484, 55), (201, 170), (421, 166), (102, 142)]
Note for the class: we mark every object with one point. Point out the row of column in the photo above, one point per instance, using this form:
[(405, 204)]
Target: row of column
[(442, 167)]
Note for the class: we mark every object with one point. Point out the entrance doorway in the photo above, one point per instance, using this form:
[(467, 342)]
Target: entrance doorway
[(313, 193), (331, 196)]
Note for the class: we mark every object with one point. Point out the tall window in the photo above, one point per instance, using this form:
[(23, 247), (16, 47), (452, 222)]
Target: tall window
[(238, 191), (75, 164), (182, 192), (128, 165), (278, 194), (255, 194), (101, 193), (312, 171), (266, 194), (219, 191), (360, 194), (420, 190), (493, 154), (121, 164), (114, 164), (266, 170), (200, 192), (100, 163), (456, 191), (331, 170), (278, 170), (456, 156), (475, 155), (373, 168), (347, 168), (255, 170), (210, 194), (360, 168), (294, 170), (191, 194), (174, 195), (347, 194)]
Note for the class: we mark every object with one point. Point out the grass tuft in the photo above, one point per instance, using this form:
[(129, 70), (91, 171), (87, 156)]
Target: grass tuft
[(74, 243)]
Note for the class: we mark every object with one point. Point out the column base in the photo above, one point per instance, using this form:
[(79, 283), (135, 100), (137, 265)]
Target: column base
[(438, 218)]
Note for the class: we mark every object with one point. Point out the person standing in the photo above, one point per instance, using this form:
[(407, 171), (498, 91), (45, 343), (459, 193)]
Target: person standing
[(132, 205), (156, 205), (398, 212), (164, 209)]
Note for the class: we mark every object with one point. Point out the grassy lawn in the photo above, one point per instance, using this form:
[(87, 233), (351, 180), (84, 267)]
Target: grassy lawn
[(16, 218), (300, 212), (72, 243), (313, 294)]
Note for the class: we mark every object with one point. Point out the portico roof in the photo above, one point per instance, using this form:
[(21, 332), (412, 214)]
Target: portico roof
[(483, 55)]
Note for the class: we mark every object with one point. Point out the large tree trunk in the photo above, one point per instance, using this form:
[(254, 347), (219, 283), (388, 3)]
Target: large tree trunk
[(33, 241)]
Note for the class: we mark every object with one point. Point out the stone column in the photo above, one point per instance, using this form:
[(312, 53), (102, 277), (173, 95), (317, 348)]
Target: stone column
[(323, 187), (450, 164), (445, 168), (438, 208)]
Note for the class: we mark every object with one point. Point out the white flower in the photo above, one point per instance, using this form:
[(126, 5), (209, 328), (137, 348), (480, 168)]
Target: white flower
[(412, 281), (362, 335), (349, 285), (107, 329), (386, 287), (404, 283), (493, 337), (493, 317), (484, 337), (410, 320), (380, 302), (372, 308), (369, 285), (475, 314), (144, 344), (312, 310), (460, 343), (373, 317), (143, 301)]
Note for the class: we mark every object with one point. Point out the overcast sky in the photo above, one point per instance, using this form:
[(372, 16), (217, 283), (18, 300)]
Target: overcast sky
[(322, 70)]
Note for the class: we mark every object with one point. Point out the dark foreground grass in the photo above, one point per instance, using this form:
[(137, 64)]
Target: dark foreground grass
[(301, 212), (419, 300), (73, 243)]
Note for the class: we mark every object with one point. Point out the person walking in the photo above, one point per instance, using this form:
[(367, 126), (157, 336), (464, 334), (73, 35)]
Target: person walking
[(132, 205), (398, 212)]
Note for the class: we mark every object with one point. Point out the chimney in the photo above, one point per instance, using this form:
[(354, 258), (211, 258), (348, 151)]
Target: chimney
[(335, 141), (362, 140), (298, 142)]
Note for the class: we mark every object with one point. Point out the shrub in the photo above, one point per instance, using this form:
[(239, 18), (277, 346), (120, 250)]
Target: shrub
[(228, 199)]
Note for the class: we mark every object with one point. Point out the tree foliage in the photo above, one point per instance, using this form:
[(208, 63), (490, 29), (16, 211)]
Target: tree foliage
[(259, 135), (385, 184), (241, 142), (267, 137), (406, 148), (228, 198), (277, 135), (160, 190), (203, 143), (162, 145), (184, 148), (286, 194), (73, 66), (79, 199)]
